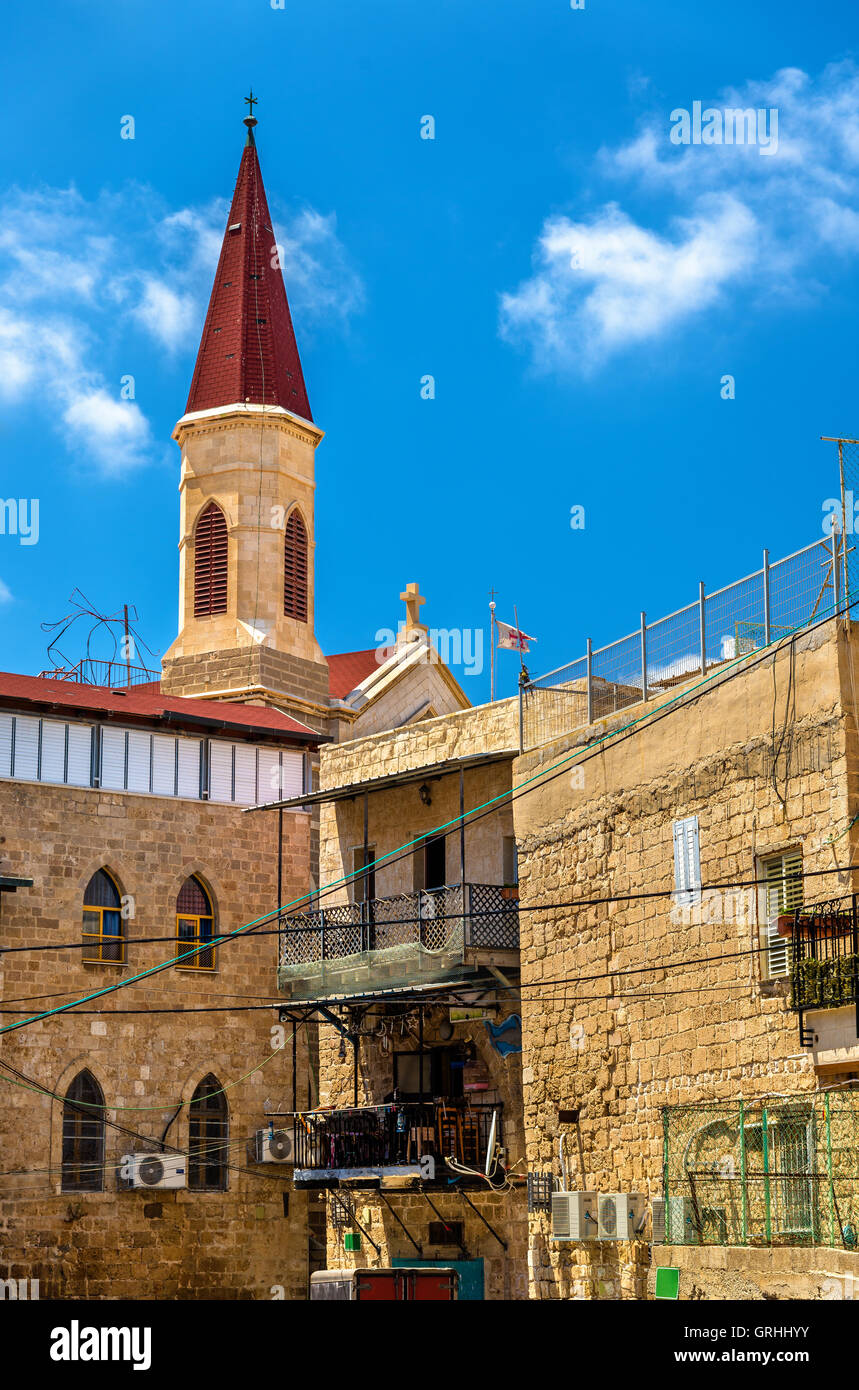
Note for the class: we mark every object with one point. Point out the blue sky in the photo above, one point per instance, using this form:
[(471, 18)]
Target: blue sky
[(556, 385)]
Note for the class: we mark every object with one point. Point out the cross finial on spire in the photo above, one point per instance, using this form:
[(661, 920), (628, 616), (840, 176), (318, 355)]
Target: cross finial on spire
[(250, 118)]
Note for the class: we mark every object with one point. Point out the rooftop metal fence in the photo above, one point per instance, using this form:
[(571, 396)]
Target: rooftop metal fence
[(744, 617), (784, 1171)]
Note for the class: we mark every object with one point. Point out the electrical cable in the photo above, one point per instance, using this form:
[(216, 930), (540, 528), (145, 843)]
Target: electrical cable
[(541, 779)]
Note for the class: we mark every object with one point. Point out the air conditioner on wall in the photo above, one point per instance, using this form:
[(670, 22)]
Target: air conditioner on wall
[(275, 1146), (679, 1210), (620, 1215), (574, 1216), (158, 1170)]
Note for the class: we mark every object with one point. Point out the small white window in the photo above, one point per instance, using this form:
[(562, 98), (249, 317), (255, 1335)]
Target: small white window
[(139, 761), (246, 775), (220, 771), (53, 767), (26, 748), (113, 759), (163, 765), (782, 893), (687, 862), (5, 745), (188, 765)]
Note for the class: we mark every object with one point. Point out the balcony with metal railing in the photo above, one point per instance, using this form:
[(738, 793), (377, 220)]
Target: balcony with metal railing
[(824, 958), (436, 1140), (408, 940)]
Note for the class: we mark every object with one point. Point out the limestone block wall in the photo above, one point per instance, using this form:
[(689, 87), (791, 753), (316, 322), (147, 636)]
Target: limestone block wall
[(701, 1021), (136, 1244)]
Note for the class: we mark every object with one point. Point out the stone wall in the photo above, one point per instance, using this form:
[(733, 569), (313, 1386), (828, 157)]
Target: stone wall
[(619, 1044), (144, 1244)]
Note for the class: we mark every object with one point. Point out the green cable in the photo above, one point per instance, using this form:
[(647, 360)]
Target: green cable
[(447, 825)]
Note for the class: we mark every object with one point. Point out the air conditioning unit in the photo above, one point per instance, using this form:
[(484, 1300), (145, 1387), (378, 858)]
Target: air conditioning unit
[(158, 1170), (275, 1146), (620, 1215), (681, 1224), (574, 1215)]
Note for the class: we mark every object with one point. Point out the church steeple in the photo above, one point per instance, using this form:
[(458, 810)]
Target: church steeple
[(248, 351)]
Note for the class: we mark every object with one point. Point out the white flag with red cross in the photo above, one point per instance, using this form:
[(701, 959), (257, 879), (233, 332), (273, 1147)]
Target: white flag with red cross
[(513, 638)]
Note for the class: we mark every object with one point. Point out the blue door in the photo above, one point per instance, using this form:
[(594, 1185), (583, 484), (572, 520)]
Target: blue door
[(470, 1274)]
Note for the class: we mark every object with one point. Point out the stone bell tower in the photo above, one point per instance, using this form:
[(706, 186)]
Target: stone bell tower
[(248, 445)]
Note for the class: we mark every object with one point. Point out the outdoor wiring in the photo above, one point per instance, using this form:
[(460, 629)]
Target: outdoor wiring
[(445, 916), (490, 807)]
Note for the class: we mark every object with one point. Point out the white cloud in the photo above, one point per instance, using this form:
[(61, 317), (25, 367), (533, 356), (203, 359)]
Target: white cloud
[(72, 294), (724, 221), (5, 593)]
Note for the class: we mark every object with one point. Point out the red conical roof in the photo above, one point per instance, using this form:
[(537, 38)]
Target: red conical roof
[(248, 350)]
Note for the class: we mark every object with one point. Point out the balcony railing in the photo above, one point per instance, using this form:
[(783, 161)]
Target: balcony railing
[(824, 971), (394, 1139), (403, 939)]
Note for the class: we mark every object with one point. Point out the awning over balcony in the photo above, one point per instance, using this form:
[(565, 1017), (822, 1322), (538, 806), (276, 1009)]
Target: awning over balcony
[(429, 773)]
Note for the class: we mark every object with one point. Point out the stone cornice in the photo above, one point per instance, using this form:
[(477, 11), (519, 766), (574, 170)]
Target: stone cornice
[(228, 416)]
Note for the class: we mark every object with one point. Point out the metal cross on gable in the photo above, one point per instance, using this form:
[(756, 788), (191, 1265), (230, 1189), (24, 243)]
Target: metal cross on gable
[(251, 101)]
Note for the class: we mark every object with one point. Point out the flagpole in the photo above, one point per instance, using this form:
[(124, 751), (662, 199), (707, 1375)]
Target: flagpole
[(519, 631), (492, 651)]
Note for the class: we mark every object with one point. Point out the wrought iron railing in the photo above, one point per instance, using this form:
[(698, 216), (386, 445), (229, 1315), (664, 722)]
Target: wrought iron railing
[(481, 916), (396, 1136), (110, 674), (824, 957)]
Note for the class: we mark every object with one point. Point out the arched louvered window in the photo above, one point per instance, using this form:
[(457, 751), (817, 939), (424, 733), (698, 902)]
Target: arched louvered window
[(83, 1135), (295, 568), (104, 939), (208, 1137), (210, 562), (195, 926)]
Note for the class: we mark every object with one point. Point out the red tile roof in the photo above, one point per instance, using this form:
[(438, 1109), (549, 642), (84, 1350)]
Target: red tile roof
[(348, 669), (248, 350), (146, 703)]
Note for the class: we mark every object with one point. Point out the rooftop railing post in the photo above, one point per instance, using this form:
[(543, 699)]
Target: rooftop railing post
[(767, 616), (836, 577), (644, 656), (702, 625), (590, 682)]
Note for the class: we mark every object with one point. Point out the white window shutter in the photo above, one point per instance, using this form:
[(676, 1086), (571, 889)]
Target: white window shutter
[(292, 774), (53, 764), (268, 774), (188, 782), (79, 762), (139, 761), (163, 765), (783, 874), (113, 759), (5, 745), (220, 771), (26, 747), (687, 861), (246, 775)]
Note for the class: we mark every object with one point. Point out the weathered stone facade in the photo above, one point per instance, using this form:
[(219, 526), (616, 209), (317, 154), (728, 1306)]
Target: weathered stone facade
[(613, 1022), (239, 1243)]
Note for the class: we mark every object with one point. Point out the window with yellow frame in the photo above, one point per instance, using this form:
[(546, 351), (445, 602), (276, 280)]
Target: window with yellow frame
[(103, 928), (195, 927)]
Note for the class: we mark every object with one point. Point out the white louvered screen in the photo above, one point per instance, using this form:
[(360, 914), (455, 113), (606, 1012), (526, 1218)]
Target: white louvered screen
[(139, 761), (220, 771), (783, 893), (113, 759), (53, 765), (189, 768), (5, 745), (246, 775), (268, 775), (79, 764), (26, 747), (687, 862), (292, 775), (163, 765)]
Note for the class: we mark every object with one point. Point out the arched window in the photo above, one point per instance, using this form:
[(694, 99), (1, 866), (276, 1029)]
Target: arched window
[(295, 568), (208, 1135), (83, 1135), (210, 562), (103, 934), (195, 925)]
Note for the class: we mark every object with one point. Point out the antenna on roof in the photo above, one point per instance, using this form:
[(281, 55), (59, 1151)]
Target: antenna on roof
[(100, 670)]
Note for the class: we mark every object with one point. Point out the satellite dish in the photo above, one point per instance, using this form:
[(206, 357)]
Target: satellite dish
[(150, 1170), (280, 1144), (490, 1147)]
